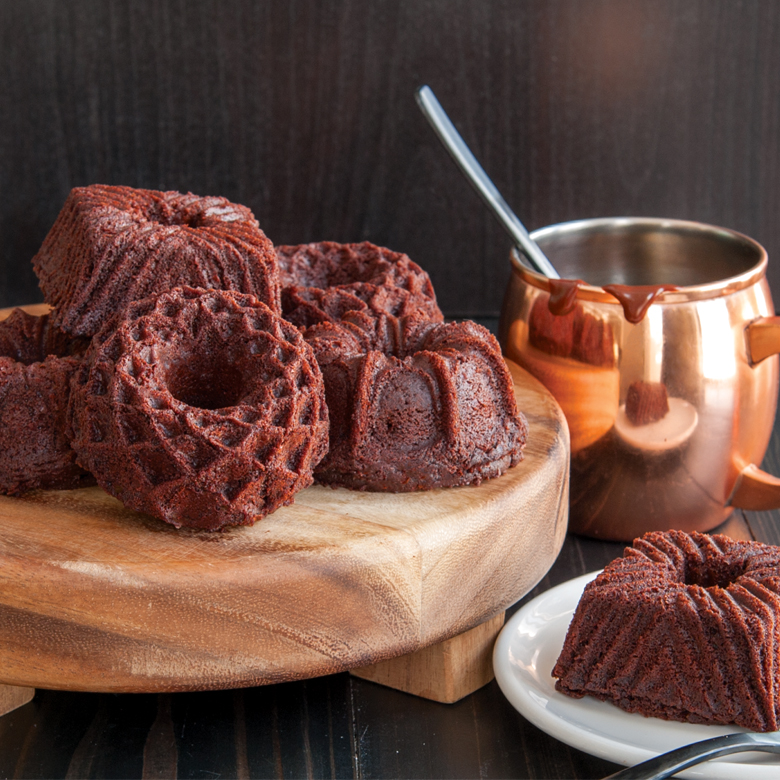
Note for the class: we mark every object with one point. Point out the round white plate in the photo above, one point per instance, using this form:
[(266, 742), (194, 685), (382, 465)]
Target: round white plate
[(523, 658)]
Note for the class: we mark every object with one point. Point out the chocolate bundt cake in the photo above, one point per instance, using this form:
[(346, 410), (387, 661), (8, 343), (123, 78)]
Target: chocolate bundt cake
[(416, 405), (322, 282), (112, 245), (683, 627), (36, 365), (200, 407)]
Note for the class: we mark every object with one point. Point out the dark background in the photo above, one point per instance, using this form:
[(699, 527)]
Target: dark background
[(305, 112)]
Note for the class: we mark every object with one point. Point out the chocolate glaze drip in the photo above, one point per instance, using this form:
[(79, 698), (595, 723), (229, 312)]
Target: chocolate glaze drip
[(563, 295), (636, 299)]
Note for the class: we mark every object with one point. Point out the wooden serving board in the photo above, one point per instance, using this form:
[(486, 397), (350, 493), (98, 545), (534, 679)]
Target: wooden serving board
[(96, 597)]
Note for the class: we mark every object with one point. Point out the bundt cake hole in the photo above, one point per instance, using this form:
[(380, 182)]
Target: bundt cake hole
[(205, 382), (714, 574), (163, 214)]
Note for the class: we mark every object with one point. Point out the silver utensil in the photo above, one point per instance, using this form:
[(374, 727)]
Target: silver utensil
[(466, 161), (668, 764)]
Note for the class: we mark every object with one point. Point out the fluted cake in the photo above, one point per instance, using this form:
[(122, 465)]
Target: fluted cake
[(113, 245), (683, 627), (37, 362), (323, 281), (415, 404)]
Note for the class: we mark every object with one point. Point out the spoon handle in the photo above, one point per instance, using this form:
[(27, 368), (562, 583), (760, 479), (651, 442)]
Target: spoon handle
[(466, 161), (675, 761)]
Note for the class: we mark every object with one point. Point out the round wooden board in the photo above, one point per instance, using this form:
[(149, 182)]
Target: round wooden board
[(96, 597)]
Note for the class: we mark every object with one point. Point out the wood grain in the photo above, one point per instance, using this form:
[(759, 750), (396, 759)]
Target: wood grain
[(94, 596)]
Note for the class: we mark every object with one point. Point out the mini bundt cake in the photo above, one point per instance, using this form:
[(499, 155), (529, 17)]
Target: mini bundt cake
[(683, 627), (415, 404), (36, 365), (322, 282), (200, 407), (112, 245)]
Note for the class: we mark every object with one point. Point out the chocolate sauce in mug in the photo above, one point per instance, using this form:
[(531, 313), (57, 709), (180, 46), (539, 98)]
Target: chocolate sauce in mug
[(623, 486)]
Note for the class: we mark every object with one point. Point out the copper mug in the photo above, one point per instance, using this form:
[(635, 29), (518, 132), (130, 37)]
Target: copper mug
[(668, 378)]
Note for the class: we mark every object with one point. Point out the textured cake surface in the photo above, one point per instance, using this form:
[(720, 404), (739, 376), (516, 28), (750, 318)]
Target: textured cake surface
[(322, 282), (201, 407), (36, 365), (684, 627), (415, 404), (112, 245)]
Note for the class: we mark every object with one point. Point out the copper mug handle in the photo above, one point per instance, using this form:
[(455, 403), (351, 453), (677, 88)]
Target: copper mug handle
[(756, 489)]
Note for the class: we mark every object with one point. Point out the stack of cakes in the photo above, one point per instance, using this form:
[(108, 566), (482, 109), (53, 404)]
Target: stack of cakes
[(203, 376)]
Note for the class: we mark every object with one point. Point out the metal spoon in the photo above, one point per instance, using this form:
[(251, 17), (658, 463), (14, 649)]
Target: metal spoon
[(668, 764), (466, 161)]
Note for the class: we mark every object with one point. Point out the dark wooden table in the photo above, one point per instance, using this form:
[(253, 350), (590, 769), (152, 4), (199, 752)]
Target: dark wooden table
[(337, 726)]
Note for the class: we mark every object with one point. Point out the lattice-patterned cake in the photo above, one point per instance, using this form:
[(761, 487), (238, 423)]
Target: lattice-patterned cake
[(201, 407)]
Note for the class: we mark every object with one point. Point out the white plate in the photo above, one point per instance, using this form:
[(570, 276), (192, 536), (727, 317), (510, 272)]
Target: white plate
[(523, 658)]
